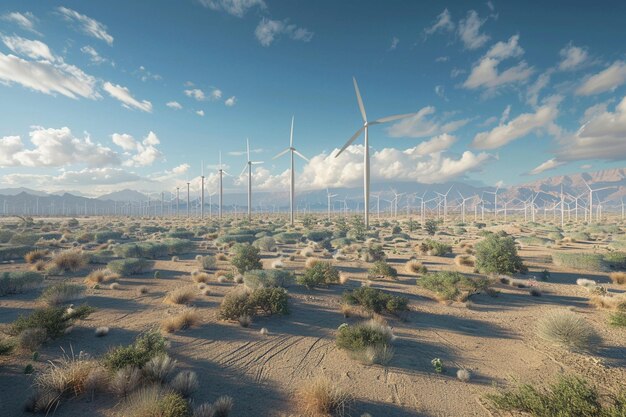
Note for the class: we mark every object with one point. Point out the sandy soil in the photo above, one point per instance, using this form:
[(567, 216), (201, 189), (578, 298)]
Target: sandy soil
[(494, 337)]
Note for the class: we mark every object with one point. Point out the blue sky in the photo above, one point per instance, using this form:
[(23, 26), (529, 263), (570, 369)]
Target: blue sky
[(503, 91)]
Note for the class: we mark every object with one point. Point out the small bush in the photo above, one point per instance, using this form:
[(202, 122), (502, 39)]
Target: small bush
[(70, 260), (452, 285), (14, 282), (373, 253), (144, 348), (464, 260), (434, 248), (153, 401), (54, 320), (105, 236), (383, 269), (580, 260), (32, 339), (322, 273), (569, 396), (244, 303), (431, 226), (61, 293), (130, 266), (35, 255), (568, 330), (618, 319), (246, 258), (375, 300), (185, 320), (185, 383), (618, 278), (498, 255), (323, 397), (98, 276), (265, 244), (266, 279), (182, 295), (159, 369), (414, 266), (363, 339), (207, 262)]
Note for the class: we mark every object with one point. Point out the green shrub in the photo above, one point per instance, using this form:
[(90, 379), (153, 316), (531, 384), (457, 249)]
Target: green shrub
[(321, 273), (54, 320), (8, 253), (580, 236), (569, 330), (450, 285), (319, 235), (361, 336), (579, 260), (373, 253), (28, 239), (145, 347), (14, 282), (265, 244), (375, 300), (130, 266), (235, 305), (259, 278), (207, 262), (7, 346), (569, 396), (177, 246), (497, 255), (150, 250), (288, 237), (61, 293), (239, 303), (431, 226), (618, 319), (382, 268), (105, 236), (181, 234), (434, 248), (235, 239), (340, 242), (534, 241), (246, 258)]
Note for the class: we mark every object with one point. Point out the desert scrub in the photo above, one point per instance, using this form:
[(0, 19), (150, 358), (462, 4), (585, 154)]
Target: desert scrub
[(242, 302), (615, 260), (259, 278), (375, 300), (569, 396), (618, 319), (8, 253), (145, 347), (323, 397), (54, 320), (363, 340), (618, 278), (61, 293), (320, 274), (70, 260), (434, 248), (206, 262), (27, 239), (382, 269), (149, 250), (154, 401), (414, 266), (246, 258), (35, 255), (182, 295), (373, 253), (579, 260), (130, 266), (184, 320), (98, 276), (105, 236), (568, 330), (14, 282), (498, 255), (451, 286), (534, 241), (265, 244)]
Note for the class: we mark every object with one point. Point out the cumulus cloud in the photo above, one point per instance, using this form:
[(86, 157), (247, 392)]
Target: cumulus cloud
[(86, 24), (47, 77), (146, 152), (234, 7), (124, 141), (485, 73), (174, 105), (30, 48), (443, 23), (216, 94), (24, 20), (200, 113), (195, 93), (606, 80), (524, 124), (84, 177), (230, 101), (424, 124), (469, 31), (437, 144), (572, 57), (55, 148), (269, 30), (125, 97)]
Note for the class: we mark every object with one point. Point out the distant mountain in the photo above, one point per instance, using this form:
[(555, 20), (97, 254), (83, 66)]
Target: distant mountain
[(16, 191), (125, 195)]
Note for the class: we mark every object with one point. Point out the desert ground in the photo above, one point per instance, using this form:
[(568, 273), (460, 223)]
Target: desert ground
[(265, 362)]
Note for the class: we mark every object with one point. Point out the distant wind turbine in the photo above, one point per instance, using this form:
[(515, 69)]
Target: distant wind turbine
[(366, 152), (248, 165), (221, 172), (293, 151)]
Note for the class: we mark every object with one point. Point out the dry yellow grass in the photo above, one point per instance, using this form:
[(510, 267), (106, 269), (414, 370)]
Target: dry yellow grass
[(35, 255), (464, 260), (413, 266), (618, 278), (200, 277), (98, 276), (608, 302), (186, 319), (321, 397), (183, 295), (310, 262)]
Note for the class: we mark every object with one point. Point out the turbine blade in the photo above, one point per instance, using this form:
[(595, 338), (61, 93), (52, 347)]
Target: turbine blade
[(349, 142), (291, 135), (256, 162), (248, 148), (392, 118), (282, 153), (244, 169), (226, 173), (359, 100), (300, 155)]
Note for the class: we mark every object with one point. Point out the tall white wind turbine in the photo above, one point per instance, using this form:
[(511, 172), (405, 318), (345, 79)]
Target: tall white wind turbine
[(366, 152), (293, 151), (248, 165), (221, 172), (591, 191), (329, 196)]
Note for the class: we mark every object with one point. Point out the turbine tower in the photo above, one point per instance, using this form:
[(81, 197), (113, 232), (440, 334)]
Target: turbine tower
[(221, 172), (293, 151), (248, 165), (366, 152), (329, 196), (202, 192), (591, 191)]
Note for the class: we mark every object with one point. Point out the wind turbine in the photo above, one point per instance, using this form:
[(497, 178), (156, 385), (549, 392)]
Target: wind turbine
[(591, 191), (249, 167), (366, 152), (495, 201), (202, 192), (221, 173), (463, 205), (293, 151), (445, 203)]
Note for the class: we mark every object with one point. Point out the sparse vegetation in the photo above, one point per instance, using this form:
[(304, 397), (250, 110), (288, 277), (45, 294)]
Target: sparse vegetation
[(320, 274), (452, 286), (568, 330), (376, 301), (497, 255)]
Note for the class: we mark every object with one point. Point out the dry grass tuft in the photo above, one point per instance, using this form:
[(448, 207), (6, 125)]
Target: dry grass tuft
[(568, 330), (464, 260), (185, 383), (160, 369), (182, 295), (311, 262), (608, 302), (98, 276), (188, 318), (200, 277), (618, 278), (322, 397), (463, 375), (125, 380), (413, 266), (35, 256), (70, 260)]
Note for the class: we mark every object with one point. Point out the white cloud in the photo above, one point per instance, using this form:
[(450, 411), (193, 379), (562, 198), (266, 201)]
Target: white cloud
[(55, 148), (124, 96), (84, 177), (93, 55), (532, 94), (24, 20), (47, 77), (469, 31), (124, 141), (572, 57), (424, 124), (394, 43), (546, 166), (29, 48), (200, 113), (269, 30), (146, 151), (216, 94), (195, 93), (437, 144), (443, 23), (235, 7), (442, 59), (606, 80), (86, 24), (230, 101), (440, 91), (522, 125), (145, 75), (174, 105), (485, 73)]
